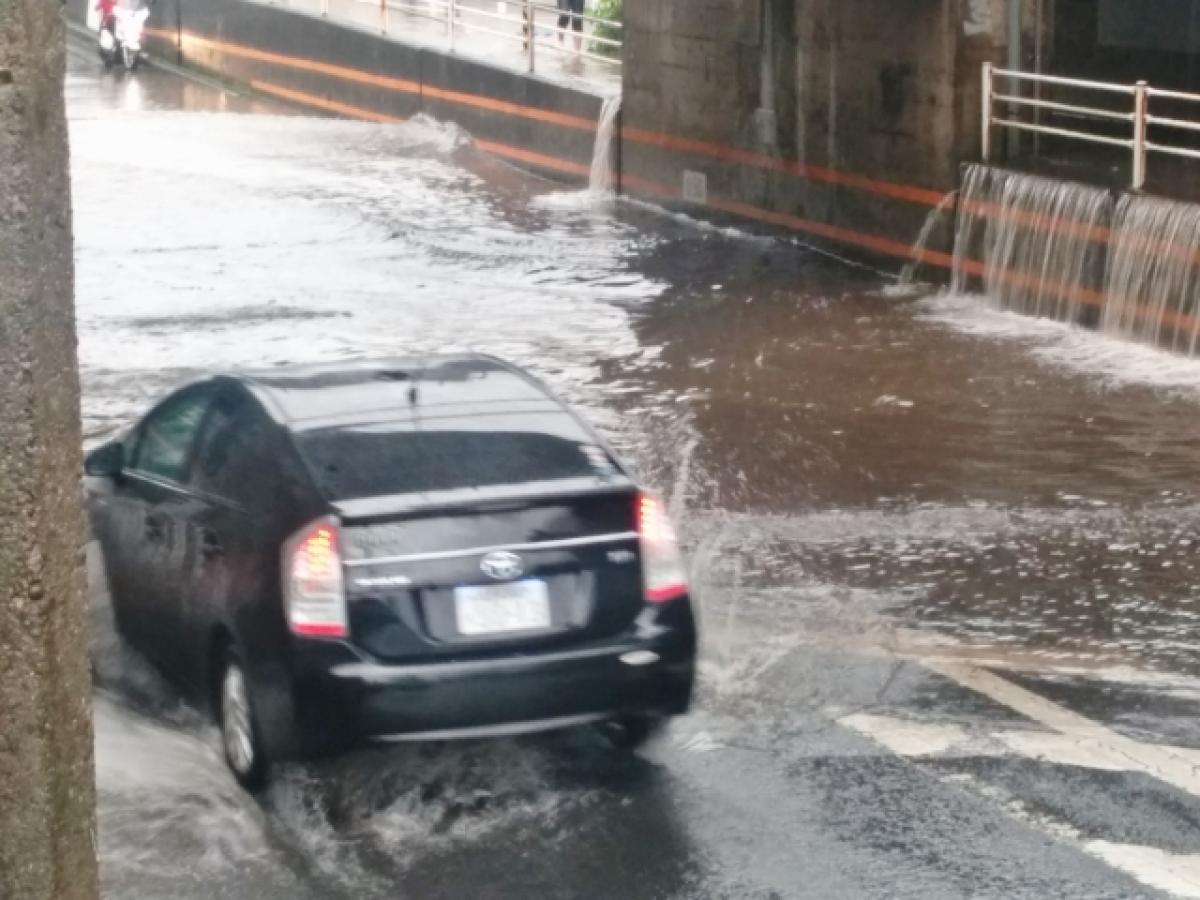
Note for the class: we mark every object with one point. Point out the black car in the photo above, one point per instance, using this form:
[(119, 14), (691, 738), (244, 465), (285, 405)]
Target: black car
[(416, 549)]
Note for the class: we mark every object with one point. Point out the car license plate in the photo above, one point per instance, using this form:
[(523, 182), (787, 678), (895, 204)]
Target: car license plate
[(499, 608)]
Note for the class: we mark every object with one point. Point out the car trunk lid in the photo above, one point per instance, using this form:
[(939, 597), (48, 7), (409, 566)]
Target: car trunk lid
[(518, 568)]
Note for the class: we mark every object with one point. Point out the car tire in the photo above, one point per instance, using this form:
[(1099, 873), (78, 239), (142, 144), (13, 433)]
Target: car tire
[(241, 741), (631, 732)]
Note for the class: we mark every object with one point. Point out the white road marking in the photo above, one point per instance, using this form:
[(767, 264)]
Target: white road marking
[(1063, 750), (1169, 764), (1070, 739), (1173, 873), (909, 738), (1093, 663)]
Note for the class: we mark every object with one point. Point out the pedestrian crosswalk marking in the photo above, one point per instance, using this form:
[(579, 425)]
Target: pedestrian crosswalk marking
[(1172, 765), (1068, 739)]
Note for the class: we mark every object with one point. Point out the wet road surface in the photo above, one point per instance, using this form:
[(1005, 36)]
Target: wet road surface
[(945, 555)]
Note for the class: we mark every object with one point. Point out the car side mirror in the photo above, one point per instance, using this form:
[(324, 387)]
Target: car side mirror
[(106, 461)]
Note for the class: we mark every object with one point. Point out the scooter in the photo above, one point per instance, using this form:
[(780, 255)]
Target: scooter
[(121, 39)]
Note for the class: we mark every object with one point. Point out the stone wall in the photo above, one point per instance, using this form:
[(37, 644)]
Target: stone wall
[(47, 817)]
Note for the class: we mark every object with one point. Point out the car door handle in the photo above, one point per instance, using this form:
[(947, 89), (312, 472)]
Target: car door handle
[(210, 545), (156, 527)]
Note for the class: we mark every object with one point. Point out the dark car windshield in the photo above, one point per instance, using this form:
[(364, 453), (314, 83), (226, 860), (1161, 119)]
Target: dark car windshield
[(372, 460)]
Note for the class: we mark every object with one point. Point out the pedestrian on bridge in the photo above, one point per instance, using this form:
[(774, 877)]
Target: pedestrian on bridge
[(571, 13)]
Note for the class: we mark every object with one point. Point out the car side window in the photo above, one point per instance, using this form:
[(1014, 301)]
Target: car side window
[(166, 438), (237, 458)]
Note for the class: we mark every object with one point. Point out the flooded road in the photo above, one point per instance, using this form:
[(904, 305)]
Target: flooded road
[(946, 556)]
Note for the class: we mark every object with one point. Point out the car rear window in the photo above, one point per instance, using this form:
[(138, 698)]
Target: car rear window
[(374, 460)]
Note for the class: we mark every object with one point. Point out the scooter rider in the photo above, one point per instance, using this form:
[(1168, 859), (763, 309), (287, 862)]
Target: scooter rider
[(108, 16)]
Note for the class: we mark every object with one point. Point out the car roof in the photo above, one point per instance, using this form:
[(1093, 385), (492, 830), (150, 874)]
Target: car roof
[(394, 390)]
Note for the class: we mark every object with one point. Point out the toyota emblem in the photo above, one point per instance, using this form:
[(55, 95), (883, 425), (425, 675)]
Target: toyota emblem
[(502, 565)]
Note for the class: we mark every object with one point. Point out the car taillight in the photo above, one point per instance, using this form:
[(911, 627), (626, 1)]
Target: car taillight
[(662, 565), (313, 594)]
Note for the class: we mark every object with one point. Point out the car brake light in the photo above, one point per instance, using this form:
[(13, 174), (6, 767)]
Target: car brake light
[(313, 594), (663, 576)]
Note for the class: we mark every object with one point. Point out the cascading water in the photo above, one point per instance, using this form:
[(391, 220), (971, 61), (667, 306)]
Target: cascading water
[(1067, 251), (600, 182), (1033, 243), (909, 273), (1152, 283)]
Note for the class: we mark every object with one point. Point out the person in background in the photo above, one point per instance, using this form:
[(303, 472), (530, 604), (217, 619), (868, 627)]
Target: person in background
[(572, 15), (107, 14)]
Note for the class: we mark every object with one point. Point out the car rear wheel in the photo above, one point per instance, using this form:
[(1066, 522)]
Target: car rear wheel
[(239, 731)]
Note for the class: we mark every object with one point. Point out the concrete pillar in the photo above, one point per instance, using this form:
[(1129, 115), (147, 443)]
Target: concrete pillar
[(878, 79), (47, 796), (1013, 34)]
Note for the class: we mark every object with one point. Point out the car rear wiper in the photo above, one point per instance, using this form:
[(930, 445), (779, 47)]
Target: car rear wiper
[(401, 375)]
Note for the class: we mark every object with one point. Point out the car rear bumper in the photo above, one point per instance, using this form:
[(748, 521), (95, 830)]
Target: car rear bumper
[(366, 701)]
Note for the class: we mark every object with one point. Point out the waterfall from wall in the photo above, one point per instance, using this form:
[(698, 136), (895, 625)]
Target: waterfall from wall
[(600, 182), (908, 275), (1129, 266), (1152, 283), (1032, 243)]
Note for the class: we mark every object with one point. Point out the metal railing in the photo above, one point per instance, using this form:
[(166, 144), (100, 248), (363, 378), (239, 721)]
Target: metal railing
[(530, 25), (1134, 119)]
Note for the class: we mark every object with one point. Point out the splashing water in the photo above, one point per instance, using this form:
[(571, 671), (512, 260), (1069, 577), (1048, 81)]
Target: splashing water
[(600, 182)]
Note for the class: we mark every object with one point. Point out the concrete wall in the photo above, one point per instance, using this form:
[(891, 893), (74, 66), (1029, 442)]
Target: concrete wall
[(877, 83), (843, 119), (47, 815)]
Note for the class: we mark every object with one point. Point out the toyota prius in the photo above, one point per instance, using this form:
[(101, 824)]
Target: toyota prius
[(410, 550)]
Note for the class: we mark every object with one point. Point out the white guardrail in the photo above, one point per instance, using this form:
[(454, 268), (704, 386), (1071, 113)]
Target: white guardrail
[(508, 21), (1137, 114)]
